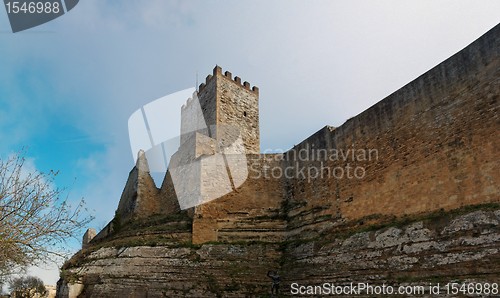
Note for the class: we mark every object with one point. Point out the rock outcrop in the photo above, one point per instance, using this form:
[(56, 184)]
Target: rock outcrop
[(442, 247)]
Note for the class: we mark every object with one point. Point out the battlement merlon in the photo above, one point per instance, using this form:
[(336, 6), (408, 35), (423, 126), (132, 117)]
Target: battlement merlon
[(189, 101), (228, 75)]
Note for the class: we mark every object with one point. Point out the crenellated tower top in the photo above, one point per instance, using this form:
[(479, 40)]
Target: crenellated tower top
[(225, 103), (227, 74)]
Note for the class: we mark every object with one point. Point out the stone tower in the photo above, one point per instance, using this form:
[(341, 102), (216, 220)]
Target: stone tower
[(219, 127), (226, 103)]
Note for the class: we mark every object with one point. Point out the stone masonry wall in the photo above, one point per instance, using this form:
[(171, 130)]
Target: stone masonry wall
[(207, 96), (192, 119), (140, 197), (254, 212), (238, 106), (437, 140), (227, 102)]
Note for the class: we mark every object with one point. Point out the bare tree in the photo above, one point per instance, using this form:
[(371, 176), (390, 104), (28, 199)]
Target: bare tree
[(35, 218)]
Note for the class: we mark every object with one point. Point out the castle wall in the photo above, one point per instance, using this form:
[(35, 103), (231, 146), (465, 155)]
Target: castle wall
[(140, 197), (168, 198), (312, 192), (254, 212), (437, 140), (430, 145)]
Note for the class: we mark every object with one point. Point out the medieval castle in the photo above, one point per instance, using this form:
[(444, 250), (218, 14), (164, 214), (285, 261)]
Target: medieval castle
[(383, 197)]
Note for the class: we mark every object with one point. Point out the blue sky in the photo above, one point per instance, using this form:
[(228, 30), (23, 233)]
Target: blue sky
[(68, 87)]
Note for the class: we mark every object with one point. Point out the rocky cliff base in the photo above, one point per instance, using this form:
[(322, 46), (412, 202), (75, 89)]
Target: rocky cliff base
[(460, 245)]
